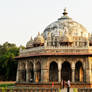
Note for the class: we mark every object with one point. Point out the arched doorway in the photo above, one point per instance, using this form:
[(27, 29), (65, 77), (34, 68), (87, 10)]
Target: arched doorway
[(31, 72), (66, 71), (53, 72), (38, 72), (79, 72)]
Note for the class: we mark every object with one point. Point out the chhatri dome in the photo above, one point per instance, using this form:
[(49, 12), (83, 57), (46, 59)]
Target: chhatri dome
[(64, 25), (38, 40)]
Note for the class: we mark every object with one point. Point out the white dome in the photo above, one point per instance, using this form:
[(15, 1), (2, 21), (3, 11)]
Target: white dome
[(65, 25)]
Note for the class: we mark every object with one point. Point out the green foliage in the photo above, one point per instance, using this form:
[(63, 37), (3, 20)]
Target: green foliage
[(8, 64), (75, 90)]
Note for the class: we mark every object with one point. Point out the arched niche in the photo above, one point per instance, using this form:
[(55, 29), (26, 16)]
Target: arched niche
[(66, 72), (38, 72), (31, 71), (79, 72), (53, 72)]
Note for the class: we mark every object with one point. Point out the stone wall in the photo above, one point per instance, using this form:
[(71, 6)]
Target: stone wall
[(85, 90)]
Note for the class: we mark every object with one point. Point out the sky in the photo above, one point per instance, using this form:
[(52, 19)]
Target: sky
[(22, 19)]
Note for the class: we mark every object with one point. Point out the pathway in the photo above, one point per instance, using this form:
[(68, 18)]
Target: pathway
[(65, 90)]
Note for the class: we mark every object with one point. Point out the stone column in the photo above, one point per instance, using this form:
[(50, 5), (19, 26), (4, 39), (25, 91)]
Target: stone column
[(88, 44), (73, 72), (27, 79), (44, 75), (59, 72), (58, 44), (27, 75), (87, 69), (84, 75), (17, 77), (28, 72), (35, 73), (45, 70)]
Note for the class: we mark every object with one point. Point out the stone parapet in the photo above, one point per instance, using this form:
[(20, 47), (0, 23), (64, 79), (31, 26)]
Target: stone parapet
[(52, 49)]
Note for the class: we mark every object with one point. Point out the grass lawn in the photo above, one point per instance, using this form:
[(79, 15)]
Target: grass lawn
[(7, 84), (75, 90)]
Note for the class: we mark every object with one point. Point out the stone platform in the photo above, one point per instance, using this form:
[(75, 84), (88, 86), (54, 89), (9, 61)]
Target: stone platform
[(56, 85)]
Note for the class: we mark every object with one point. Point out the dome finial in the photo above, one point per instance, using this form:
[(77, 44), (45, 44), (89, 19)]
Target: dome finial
[(65, 12), (38, 33), (31, 38)]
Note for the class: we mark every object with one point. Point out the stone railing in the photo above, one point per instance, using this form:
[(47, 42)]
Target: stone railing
[(61, 49), (32, 49)]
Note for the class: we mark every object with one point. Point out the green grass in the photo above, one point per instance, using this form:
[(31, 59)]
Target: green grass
[(7, 85)]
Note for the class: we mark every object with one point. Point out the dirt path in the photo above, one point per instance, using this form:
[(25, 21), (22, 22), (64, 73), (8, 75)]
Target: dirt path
[(7, 82), (65, 90)]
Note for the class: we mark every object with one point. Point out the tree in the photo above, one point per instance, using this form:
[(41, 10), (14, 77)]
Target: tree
[(8, 64)]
